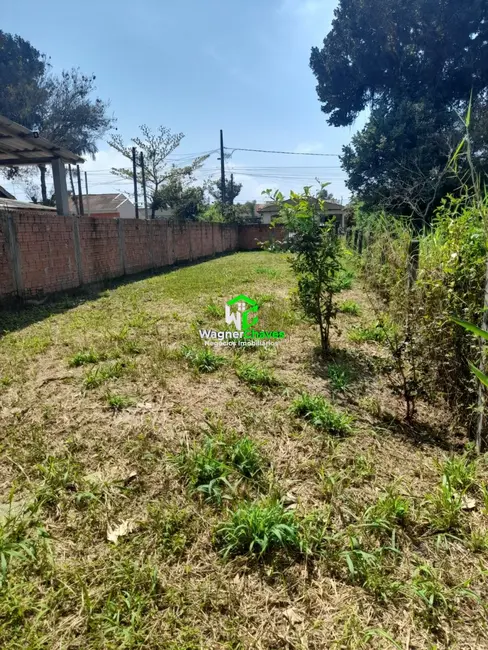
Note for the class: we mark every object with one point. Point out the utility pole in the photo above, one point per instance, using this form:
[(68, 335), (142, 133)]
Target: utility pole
[(141, 158), (87, 197), (222, 171), (134, 171), (80, 193)]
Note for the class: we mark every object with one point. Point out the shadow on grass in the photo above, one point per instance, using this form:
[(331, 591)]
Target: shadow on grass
[(421, 433), (359, 365), (20, 313)]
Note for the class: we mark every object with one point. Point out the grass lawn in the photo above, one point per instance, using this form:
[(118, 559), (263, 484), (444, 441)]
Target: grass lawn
[(158, 494)]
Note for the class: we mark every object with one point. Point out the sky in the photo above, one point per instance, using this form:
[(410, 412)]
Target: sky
[(198, 66)]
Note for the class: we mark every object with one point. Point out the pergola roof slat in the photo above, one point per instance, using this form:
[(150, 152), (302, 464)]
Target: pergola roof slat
[(19, 146)]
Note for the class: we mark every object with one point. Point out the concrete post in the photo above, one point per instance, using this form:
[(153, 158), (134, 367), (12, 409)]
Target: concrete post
[(60, 187)]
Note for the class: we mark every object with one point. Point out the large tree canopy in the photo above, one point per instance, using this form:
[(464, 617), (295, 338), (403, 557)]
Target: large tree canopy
[(378, 52), (22, 71), (415, 64)]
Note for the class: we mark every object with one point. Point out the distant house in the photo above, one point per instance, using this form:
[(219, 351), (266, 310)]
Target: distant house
[(112, 206), (270, 211)]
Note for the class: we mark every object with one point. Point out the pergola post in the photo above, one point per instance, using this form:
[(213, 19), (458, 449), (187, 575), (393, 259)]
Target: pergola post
[(60, 187)]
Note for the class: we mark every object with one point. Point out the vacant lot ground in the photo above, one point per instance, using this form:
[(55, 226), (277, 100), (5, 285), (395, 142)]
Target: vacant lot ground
[(154, 494)]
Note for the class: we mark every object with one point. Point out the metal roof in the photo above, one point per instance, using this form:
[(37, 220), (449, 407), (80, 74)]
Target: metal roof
[(101, 202), (21, 146), (11, 204)]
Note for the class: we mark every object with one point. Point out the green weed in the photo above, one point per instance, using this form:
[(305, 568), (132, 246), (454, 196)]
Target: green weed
[(339, 376), (103, 373), (206, 472), (171, 526), (118, 402), (460, 472), (377, 332), (257, 377), (84, 357), (23, 541), (321, 414), (214, 311), (246, 457), (258, 529), (202, 360), (446, 507), (350, 307)]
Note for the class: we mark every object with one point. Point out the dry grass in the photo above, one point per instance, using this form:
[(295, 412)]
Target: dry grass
[(108, 542)]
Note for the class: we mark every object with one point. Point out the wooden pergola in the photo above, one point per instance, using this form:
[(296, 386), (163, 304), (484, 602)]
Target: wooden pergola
[(21, 146)]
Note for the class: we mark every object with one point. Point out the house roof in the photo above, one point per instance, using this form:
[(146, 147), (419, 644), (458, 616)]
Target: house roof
[(5, 195), (101, 202), (21, 146), (12, 204)]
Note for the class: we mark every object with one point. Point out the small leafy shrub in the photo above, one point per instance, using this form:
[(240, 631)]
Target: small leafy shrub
[(321, 414), (103, 373), (84, 357), (258, 529), (118, 402), (350, 307), (202, 360), (257, 377), (316, 260)]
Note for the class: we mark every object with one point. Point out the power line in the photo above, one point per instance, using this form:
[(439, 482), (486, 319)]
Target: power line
[(288, 153)]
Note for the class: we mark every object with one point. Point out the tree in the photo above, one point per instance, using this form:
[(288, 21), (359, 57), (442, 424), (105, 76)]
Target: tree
[(22, 74), (156, 148), (378, 53), (232, 191), (325, 195), (187, 201), (399, 161), (414, 64), (71, 117), (316, 250)]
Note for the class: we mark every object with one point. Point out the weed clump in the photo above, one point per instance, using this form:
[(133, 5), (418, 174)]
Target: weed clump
[(321, 414)]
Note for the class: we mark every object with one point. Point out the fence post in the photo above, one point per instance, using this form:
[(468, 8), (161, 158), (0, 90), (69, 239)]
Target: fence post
[(360, 242)]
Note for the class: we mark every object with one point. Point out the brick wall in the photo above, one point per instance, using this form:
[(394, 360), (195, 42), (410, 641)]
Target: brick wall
[(250, 236), (43, 254)]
